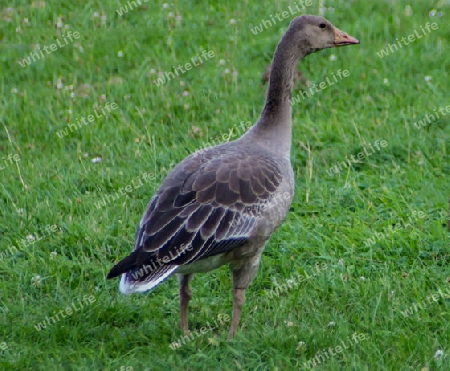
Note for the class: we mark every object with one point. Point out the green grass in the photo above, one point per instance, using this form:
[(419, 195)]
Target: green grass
[(364, 288)]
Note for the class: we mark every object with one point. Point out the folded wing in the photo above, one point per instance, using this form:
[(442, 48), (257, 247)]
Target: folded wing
[(207, 205)]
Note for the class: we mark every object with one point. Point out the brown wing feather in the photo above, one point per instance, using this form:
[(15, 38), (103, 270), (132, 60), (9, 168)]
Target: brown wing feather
[(205, 206)]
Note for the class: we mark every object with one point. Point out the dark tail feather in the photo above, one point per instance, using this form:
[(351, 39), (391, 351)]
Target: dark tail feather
[(123, 266)]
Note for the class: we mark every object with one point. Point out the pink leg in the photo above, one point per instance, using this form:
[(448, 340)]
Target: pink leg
[(242, 278), (238, 302), (185, 297)]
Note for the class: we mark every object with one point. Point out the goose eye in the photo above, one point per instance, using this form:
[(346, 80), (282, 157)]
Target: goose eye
[(322, 25)]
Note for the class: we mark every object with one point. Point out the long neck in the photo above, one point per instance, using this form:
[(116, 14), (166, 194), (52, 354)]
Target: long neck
[(274, 127)]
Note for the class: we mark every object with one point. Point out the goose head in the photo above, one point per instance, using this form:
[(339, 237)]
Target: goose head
[(313, 33)]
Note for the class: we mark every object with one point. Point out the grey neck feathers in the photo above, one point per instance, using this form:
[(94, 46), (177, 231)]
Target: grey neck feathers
[(274, 127)]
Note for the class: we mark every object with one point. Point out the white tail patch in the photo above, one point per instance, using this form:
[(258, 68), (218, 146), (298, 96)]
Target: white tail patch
[(128, 286)]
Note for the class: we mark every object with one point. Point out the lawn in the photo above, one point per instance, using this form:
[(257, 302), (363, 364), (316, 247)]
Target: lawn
[(358, 276)]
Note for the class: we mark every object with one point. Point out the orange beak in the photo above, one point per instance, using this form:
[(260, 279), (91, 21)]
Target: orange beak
[(342, 39)]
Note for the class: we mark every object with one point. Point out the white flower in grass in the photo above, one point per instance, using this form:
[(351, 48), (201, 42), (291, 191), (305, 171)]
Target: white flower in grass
[(30, 238), (185, 93), (96, 159), (432, 13), (165, 6), (53, 255), (300, 345), (36, 280), (221, 62), (170, 14), (333, 58), (428, 78), (362, 278), (120, 53), (332, 324), (408, 11), (232, 21), (439, 353), (385, 81)]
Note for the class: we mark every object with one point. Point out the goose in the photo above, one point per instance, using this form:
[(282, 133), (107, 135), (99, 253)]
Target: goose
[(220, 205)]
